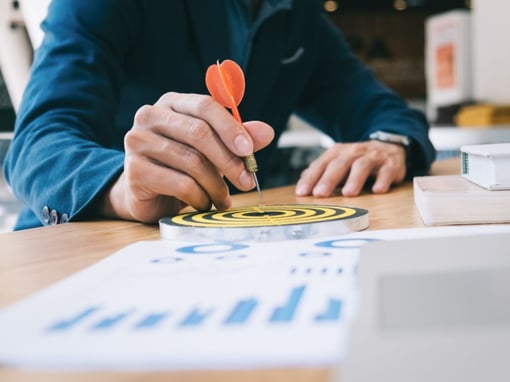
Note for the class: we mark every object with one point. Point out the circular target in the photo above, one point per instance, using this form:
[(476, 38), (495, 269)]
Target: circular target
[(265, 216), (264, 223)]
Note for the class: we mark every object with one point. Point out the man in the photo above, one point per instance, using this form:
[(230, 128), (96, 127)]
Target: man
[(115, 121)]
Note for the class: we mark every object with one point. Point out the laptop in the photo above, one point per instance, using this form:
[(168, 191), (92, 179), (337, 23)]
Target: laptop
[(435, 309)]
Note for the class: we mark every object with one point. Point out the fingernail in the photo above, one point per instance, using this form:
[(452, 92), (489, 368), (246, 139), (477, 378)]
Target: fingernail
[(302, 189), (246, 180), (348, 190), (320, 190), (243, 145)]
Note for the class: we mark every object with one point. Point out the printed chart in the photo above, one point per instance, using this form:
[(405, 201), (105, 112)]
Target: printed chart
[(160, 305)]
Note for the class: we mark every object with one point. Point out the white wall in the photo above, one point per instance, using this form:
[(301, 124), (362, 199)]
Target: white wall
[(491, 50), (15, 52), (17, 44)]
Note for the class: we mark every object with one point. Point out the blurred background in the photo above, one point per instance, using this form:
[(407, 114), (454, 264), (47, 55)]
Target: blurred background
[(448, 58)]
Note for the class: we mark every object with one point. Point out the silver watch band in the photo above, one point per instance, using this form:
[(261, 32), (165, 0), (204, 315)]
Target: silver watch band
[(384, 136)]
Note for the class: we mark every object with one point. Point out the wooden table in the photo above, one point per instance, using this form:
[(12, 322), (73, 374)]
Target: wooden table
[(33, 259)]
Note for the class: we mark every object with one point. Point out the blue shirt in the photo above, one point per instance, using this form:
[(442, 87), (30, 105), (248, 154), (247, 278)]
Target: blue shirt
[(243, 24), (101, 60)]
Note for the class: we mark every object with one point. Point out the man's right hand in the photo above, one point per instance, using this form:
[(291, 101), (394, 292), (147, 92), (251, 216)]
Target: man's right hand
[(177, 153)]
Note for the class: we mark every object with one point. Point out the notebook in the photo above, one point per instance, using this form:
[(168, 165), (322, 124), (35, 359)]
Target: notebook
[(453, 199)]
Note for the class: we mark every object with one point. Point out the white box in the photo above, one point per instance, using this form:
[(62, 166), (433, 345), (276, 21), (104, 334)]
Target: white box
[(487, 165)]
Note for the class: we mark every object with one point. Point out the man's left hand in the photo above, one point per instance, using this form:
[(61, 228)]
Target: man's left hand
[(350, 165)]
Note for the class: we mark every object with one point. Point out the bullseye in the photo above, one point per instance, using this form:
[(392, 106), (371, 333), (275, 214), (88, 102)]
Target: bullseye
[(268, 222)]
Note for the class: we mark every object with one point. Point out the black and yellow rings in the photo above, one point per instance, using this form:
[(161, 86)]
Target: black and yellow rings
[(266, 216), (264, 223)]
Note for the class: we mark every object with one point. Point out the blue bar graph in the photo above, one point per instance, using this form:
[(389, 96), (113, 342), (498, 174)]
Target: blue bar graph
[(68, 324), (195, 318), (241, 312), (150, 321), (332, 312), (110, 322), (286, 312)]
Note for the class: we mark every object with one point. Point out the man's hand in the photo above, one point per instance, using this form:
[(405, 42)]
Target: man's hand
[(351, 164), (177, 153)]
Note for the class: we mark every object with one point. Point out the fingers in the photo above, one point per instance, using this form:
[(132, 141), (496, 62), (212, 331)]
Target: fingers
[(184, 143), (156, 165), (146, 179), (393, 171), (204, 108), (323, 175), (183, 160), (361, 169), (353, 164), (241, 139), (178, 153), (199, 122)]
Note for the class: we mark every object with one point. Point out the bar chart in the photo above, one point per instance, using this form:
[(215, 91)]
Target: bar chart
[(167, 305), (238, 313)]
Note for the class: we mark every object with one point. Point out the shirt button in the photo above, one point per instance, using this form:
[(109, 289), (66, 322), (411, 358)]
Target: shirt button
[(64, 219), (53, 217), (45, 214)]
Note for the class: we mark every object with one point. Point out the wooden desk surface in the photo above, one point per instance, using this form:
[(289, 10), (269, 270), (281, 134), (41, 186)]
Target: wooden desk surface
[(33, 259)]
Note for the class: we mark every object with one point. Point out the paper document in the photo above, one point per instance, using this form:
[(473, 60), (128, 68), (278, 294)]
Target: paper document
[(159, 305)]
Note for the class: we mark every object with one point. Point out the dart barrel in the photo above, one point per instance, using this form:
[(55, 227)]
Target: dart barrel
[(251, 163)]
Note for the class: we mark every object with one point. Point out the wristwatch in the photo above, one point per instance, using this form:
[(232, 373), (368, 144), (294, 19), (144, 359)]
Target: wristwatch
[(398, 139)]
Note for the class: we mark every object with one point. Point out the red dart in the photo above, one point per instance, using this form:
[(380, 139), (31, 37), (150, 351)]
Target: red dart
[(226, 84)]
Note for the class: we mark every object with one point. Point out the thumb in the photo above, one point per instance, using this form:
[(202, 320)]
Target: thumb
[(261, 133)]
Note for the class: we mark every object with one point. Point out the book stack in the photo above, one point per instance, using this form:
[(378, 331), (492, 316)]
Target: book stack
[(453, 199)]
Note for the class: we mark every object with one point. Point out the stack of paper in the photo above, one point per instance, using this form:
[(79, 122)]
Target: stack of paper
[(452, 199)]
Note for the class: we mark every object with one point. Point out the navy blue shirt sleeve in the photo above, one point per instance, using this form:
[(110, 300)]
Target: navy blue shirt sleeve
[(62, 154)]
